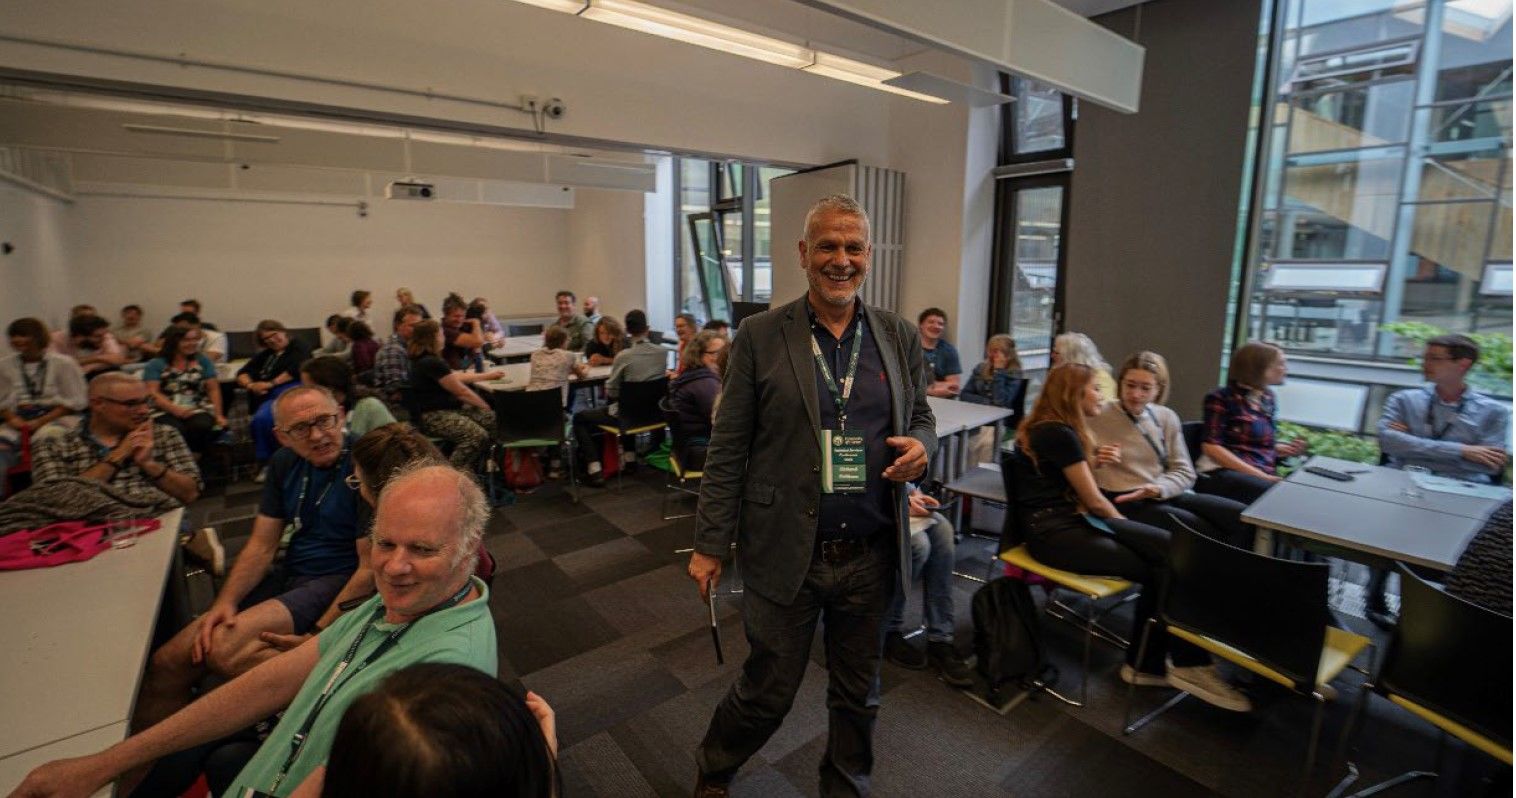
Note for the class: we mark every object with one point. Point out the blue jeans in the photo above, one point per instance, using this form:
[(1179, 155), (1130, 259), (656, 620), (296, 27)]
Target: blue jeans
[(932, 556)]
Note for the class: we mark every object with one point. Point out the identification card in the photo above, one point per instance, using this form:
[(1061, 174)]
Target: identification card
[(843, 469)]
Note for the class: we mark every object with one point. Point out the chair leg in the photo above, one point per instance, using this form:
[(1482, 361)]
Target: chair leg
[(1148, 718), (1131, 689), (1310, 750)]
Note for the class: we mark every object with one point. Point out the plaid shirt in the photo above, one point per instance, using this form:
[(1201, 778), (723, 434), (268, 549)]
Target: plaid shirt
[(75, 452), (1234, 422), (392, 369)]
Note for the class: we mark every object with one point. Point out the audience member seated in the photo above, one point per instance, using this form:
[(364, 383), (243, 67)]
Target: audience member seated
[(641, 362), (324, 563), (1239, 455), (212, 342), (592, 309), (82, 310), (363, 409), (358, 305), (1073, 347), (89, 342), (422, 557), (1482, 574), (361, 347), (932, 559), (1447, 427), (944, 369), (276, 367), (441, 401), (608, 341), (392, 364), (995, 381), (685, 327), (41, 392), (552, 364), (441, 730), (719, 326), (462, 339), (580, 330), (1070, 525), (134, 335), (337, 343), (184, 390), (407, 299), (493, 330), (118, 444), (693, 395), (193, 306), (1143, 466)]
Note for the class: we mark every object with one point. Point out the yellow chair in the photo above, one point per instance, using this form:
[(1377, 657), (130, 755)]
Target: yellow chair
[(1448, 663), (1266, 615), (637, 411), (1094, 589)]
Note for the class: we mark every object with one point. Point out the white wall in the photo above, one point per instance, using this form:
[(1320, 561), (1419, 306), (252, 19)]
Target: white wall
[(298, 263), (34, 278), (605, 250)]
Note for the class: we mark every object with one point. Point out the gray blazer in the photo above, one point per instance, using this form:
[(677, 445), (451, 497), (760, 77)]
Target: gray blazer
[(762, 475)]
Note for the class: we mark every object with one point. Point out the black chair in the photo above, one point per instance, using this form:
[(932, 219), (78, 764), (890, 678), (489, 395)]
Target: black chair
[(533, 419), (310, 336), (1213, 601), (243, 345), (513, 330), (1448, 663), (638, 410), (686, 462), (1018, 404), (1194, 435)]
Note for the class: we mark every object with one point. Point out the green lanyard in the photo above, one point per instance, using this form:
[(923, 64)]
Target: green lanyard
[(840, 395), (298, 741)]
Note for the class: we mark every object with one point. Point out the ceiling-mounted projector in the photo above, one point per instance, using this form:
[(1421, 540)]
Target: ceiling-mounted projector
[(404, 189)]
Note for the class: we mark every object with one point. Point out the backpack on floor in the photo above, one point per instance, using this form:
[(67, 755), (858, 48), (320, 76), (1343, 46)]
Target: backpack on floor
[(523, 471), (1008, 640)]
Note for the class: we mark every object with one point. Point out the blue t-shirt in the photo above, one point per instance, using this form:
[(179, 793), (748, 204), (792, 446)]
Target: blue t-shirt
[(942, 362), (332, 515)]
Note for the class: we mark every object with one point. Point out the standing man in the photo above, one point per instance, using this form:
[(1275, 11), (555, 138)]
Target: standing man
[(592, 309), (580, 329), (943, 367), (817, 508), (1446, 427)]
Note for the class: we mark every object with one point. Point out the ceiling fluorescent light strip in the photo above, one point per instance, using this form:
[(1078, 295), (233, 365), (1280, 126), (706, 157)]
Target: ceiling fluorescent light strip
[(735, 41), (693, 30), (203, 134)]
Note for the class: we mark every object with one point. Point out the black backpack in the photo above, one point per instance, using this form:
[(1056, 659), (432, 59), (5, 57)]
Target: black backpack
[(1008, 640)]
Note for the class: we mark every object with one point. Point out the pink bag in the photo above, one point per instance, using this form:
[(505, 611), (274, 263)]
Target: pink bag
[(63, 542)]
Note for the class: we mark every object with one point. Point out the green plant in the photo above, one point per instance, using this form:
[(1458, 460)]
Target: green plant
[(1331, 443), (1493, 371)]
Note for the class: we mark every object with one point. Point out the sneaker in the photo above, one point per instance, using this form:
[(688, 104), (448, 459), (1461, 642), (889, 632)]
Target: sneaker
[(260, 476), (205, 546), (1131, 675), (953, 670), (1328, 692), (709, 789), (1205, 683), (900, 651)]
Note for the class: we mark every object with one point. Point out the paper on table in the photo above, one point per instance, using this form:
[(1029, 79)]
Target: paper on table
[(1459, 487), (920, 523)]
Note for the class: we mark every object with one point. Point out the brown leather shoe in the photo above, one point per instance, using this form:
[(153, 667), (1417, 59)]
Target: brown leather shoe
[(709, 789)]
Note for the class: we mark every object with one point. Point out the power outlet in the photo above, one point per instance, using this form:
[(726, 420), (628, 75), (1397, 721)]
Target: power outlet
[(529, 102)]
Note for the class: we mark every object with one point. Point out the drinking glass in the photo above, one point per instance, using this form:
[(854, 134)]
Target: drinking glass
[(1412, 489)]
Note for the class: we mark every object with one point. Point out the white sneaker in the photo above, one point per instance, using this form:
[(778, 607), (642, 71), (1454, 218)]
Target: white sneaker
[(260, 476), (1131, 675), (206, 546), (1205, 683), (1328, 692)]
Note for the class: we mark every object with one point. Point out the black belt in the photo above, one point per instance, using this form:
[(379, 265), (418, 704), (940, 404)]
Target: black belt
[(842, 550)]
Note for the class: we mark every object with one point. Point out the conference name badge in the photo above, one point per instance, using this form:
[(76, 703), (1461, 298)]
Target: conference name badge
[(843, 469)]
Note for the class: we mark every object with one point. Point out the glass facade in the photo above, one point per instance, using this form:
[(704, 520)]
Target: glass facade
[(1386, 180), (727, 204)]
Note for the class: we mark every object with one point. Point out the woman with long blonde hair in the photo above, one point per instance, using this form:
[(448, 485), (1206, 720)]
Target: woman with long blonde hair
[(1067, 523), (996, 381)]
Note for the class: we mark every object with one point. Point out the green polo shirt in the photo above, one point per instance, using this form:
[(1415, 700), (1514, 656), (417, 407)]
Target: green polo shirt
[(463, 635)]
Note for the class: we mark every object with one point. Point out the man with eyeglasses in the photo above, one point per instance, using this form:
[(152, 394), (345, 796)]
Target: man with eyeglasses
[(118, 444), (269, 603)]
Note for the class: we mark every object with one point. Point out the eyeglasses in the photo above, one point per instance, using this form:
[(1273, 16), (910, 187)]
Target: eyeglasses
[(325, 423), (353, 481), (132, 404)]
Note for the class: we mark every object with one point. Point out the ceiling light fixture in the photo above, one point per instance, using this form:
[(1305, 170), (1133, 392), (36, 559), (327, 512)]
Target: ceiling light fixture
[(203, 134), (839, 68)]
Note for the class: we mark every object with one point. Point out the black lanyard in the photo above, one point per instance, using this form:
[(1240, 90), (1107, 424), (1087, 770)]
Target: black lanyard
[(1162, 452), (305, 483), (34, 389), (840, 394), (297, 742), (1433, 402), (268, 370)]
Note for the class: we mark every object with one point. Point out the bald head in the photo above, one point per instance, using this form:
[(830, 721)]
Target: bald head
[(111, 382), (437, 496)]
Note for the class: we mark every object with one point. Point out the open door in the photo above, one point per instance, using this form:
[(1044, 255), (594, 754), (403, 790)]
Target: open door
[(715, 280)]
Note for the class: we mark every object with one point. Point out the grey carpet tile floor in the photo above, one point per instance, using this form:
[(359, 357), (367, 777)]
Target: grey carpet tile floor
[(594, 611)]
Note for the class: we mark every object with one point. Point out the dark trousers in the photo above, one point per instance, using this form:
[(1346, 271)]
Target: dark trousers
[(850, 599), (1216, 517), (199, 430), (1233, 485), (586, 423), (1137, 553)]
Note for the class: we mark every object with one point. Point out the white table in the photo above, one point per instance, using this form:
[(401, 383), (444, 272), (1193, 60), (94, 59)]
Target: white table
[(955, 420), (1369, 515), (517, 375), (73, 643)]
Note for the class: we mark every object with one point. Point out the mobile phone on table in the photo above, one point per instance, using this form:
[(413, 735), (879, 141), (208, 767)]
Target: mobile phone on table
[(1329, 473)]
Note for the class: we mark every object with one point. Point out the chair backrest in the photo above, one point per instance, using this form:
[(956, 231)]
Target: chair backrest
[(310, 336), (241, 344), (1273, 610), (637, 403), (528, 415), (514, 330), (1194, 433), (1011, 534), (1018, 403), (1451, 656)]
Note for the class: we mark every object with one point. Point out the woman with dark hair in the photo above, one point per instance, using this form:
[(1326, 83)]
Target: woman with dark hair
[(1068, 524), (362, 346), (693, 395), (274, 370), (442, 731), (363, 407), (1239, 453), (184, 391), (442, 404), (609, 339)]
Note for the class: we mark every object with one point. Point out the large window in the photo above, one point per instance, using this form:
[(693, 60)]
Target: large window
[(1386, 181), (724, 234)]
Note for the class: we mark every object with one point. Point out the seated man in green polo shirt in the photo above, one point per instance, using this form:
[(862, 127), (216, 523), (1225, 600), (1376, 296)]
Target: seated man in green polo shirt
[(429, 609)]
